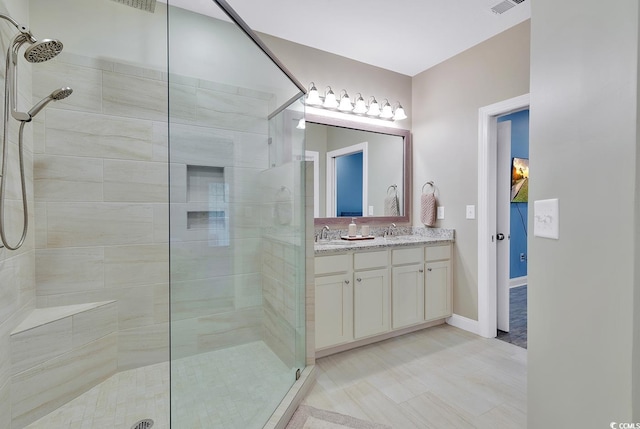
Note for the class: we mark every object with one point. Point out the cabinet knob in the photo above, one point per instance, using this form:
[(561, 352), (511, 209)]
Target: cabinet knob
[(346, 281), (428, 269), (421, 270), (359, 279)]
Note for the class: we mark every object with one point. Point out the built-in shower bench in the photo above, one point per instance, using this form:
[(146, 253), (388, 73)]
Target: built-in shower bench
[(58, 353)]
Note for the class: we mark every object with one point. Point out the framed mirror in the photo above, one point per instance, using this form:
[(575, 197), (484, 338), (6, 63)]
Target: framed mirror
[(360, 170)]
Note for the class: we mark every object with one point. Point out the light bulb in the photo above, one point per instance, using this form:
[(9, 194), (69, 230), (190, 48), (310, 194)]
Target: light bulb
[(313, 97), (345, 102), (374, 108), (399, 113), (361, 107), (301, 124), (330, 101), (387, 112)]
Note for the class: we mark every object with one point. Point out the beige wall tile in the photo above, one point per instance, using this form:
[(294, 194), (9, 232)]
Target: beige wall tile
[(197, 298), (126, 266), (85, 81), (97, 136), (68, 270), (143, 346), (136, 306), (67, 178), (93, 324), (89, 224), (37, 345), (44, 388), (248, 290), (229, 329), (5, 405), (196, 145), (233, 112), (160, 223), (135, 181), (40, 225)]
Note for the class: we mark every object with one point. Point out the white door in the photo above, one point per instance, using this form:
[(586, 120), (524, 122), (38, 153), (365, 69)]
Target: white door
[(503, 211)]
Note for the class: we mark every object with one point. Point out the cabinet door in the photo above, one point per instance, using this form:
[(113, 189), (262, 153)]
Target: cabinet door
[(437, 290), (407, 295), (371, 302), (334, 310)]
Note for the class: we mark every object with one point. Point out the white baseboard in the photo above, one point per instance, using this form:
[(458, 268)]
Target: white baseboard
[(518, 281), (464, 323)]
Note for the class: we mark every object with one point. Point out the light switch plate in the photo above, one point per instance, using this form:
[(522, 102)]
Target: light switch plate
[(440, 212), (546, 219), (471, 212)]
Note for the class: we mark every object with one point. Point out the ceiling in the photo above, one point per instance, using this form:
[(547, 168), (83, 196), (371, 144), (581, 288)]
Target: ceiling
[(405, 36)]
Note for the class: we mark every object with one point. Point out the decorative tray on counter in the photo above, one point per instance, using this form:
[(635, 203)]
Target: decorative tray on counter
[(357, 237)]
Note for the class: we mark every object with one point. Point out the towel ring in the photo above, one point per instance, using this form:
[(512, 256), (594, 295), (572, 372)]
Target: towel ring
[(395, 188), (283, 192), (430, 183)]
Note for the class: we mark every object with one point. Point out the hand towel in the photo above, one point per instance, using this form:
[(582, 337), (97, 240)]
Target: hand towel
[(391, 206), (428, 209)]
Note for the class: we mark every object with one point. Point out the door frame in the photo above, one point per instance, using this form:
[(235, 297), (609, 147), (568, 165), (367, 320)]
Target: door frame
[(487, 210)]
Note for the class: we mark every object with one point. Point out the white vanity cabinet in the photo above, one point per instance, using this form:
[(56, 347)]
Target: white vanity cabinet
[(371, 293), (437, 283), (407, 286), (366, 295), (334, 300)]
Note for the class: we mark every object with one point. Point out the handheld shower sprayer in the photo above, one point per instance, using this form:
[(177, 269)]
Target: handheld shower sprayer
[(38, 52), (58, 94)]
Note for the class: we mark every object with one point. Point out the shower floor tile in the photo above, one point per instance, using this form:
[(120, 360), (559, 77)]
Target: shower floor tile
[(238, 387)]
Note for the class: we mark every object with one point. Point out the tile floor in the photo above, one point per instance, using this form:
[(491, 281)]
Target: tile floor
[(437, 378), (231, 388), (517, 318)]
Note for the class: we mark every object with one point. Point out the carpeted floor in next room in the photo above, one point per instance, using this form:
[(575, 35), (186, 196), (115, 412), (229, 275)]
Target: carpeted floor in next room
[(517, 318)]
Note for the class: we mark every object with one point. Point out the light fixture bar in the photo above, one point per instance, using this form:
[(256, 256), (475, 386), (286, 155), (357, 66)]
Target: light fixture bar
[(357, 107)]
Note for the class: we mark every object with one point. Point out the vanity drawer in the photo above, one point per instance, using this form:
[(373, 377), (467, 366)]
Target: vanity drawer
[(438, 253), (407, 256), (367, 260), (332, 264)]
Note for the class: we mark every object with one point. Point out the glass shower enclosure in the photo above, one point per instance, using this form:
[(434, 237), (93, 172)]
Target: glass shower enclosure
[(162, 279), (236, 225)]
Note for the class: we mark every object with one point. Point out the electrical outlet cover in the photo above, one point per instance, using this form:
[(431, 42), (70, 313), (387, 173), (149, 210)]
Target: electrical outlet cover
[(440, 212)]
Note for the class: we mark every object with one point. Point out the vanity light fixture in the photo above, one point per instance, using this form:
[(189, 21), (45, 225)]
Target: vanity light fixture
[(357, 107), (374, 107), (399, 114), (345, 102), (360, 107), (330, 101), (387, 112), (313, 96)]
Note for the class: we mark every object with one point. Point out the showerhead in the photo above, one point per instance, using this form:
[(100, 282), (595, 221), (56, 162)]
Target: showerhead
[(43, 50), (58, 94)]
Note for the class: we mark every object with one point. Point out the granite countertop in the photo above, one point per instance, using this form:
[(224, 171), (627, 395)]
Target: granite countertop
[(339, 245)]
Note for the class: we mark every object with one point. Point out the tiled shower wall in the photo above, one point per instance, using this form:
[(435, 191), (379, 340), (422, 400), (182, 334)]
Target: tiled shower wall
[(17, 284), (101, 204)]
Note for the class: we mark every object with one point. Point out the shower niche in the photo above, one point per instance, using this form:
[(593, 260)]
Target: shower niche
[(207, 207)]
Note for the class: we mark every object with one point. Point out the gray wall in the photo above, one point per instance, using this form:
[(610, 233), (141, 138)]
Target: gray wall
[(584, 144), (446, 99)]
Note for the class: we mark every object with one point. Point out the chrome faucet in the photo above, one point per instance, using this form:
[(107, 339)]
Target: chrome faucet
[(324, 236), (391, 231)]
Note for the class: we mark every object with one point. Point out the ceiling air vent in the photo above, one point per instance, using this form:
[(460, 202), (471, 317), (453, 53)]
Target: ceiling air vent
[(505, 5)]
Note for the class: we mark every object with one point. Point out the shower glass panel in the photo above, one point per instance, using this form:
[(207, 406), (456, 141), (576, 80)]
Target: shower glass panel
[(236, 226)]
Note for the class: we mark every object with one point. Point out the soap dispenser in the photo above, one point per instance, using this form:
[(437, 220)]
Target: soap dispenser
[(352, 227)]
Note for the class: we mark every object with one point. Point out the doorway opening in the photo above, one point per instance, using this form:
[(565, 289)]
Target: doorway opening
[(511, 226), (347, 181), (487, 211)]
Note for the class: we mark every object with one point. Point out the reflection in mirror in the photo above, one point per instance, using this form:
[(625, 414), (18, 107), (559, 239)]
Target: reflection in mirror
[(360, 170)]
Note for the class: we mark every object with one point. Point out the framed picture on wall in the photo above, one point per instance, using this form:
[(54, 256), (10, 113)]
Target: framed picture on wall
[(519, 180)]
